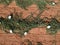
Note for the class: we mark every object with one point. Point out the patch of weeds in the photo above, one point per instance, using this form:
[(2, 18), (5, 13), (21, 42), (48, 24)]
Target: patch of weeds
[(19, 25), (55, 25), (24, 3), (52, 3), (41, 4), (7, 2)]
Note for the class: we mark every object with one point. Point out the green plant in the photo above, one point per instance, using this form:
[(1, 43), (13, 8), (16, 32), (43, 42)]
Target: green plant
[(19, 25), (51, 2), (41, 4), (7, 2), (55, 25), (24, 3)]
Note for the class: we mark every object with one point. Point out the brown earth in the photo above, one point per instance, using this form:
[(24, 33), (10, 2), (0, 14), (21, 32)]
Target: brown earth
[(36, 34), (9, 39)]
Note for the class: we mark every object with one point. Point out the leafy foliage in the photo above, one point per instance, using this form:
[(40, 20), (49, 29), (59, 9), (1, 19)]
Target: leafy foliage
[(19, 25), (7, 2), (50, 2), (55, 25), (25, 3), (41, 4)]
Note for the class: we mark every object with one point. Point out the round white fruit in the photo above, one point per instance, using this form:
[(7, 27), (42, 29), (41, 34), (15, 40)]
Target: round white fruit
[(53, 3), (9, 17), (11, 31), (25, 33), (48, 27)]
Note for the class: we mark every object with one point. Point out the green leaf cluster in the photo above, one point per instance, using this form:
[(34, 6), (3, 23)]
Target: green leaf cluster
[(25, 3), (6, 2), (55, 26), (19, 25)]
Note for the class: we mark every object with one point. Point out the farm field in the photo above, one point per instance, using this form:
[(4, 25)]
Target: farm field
[(30, 22)]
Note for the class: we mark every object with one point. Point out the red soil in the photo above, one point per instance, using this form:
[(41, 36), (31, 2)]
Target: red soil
[(9, 39)]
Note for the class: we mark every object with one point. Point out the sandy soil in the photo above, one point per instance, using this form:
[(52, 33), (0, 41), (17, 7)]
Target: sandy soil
[(36, 34), (10, 39)]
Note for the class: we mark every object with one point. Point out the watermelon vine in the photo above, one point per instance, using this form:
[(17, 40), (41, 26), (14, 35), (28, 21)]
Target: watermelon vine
[(19, 25), (5, 2), (25, 3)]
